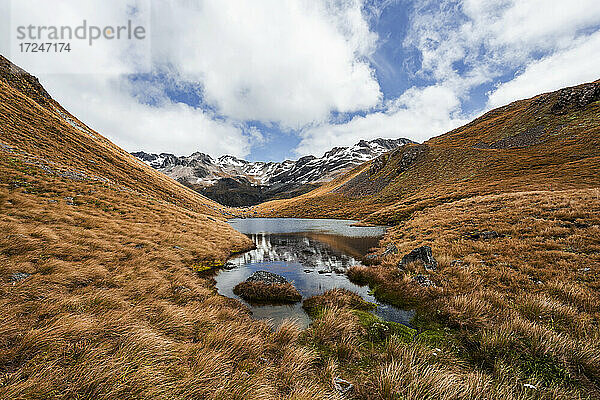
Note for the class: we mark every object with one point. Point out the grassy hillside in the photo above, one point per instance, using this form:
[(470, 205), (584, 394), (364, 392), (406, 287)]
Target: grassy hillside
[(510, 206), (519, 309), (104, 292), (549, 142), (99, 294)]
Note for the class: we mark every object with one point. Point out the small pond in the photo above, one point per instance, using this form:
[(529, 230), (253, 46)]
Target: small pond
[(313, 254)]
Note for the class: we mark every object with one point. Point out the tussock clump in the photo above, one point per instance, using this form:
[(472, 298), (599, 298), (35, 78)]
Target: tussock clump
[(336, 298), (333, 325), (260, 292)]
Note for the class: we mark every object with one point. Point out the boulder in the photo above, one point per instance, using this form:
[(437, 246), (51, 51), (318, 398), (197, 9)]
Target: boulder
[(422, 254), (19, 276), (423, 280), (342, 386), (485, 235), (267, 277)]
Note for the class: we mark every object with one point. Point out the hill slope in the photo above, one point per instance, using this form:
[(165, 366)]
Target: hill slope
[(551, 141), (509, 207), (99, 297)]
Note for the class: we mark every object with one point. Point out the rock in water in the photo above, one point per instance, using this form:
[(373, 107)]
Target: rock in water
[(423, 254), (267, 277)]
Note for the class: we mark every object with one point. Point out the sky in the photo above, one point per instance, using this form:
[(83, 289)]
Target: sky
[(268, 80)]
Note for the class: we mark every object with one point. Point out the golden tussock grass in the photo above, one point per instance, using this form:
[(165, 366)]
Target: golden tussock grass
[(263, 292), (99, 298), (521, 308), (98, 295), (336, 298)]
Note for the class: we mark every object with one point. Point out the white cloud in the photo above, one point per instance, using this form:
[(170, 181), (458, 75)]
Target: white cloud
[(529, 23), (570, 67), (489, 36), (289, 62), (106, 105), (286, 62), (465, 44), (418, 115)]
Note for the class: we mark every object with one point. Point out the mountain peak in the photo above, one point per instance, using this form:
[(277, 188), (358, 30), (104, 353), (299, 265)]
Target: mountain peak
[(201, 171)]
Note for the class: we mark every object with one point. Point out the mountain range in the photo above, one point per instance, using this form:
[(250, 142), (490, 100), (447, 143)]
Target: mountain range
[(235, 182)]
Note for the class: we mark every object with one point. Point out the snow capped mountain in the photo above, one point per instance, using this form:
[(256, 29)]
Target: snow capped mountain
[(310, 169), (200, 170)]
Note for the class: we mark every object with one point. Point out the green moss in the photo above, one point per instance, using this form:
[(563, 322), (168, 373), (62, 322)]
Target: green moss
[(378, 329), (543, 368), (202, 266)]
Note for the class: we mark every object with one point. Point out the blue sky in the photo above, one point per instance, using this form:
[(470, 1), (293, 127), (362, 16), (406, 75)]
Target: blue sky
[(272, 79)]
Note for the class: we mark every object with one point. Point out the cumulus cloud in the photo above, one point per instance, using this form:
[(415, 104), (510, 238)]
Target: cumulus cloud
[(289, 63), (488, 37), (569, 67), (108, 107), (418, 114), (470, 43)]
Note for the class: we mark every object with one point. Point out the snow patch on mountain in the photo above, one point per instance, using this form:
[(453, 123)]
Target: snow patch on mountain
[(201, 169)]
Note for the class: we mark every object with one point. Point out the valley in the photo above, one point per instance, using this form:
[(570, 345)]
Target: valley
[(113, 274)]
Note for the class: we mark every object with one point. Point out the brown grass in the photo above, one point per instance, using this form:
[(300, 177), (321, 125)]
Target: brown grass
[(522, 308), (259, 292), (113, 307), (336, 298)]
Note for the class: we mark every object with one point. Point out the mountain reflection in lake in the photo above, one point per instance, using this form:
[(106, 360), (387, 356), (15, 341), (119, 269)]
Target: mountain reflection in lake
[(314, 255)]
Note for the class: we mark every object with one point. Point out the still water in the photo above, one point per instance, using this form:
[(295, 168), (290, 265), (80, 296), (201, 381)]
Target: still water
[(313, 254)]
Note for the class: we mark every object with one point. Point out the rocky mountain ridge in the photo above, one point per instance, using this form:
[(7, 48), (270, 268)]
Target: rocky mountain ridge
[(238, 182)]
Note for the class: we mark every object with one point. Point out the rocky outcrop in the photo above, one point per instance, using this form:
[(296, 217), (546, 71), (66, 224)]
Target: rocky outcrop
[(410, 156), (378, 164), (423, 280), (421, 254), (391, 249), (18, 277), (528, 138), (484, 235), (576, 97), (24, 82)]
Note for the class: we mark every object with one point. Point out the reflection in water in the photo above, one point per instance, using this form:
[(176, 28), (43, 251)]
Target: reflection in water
[(314, 258), (323, 254)]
